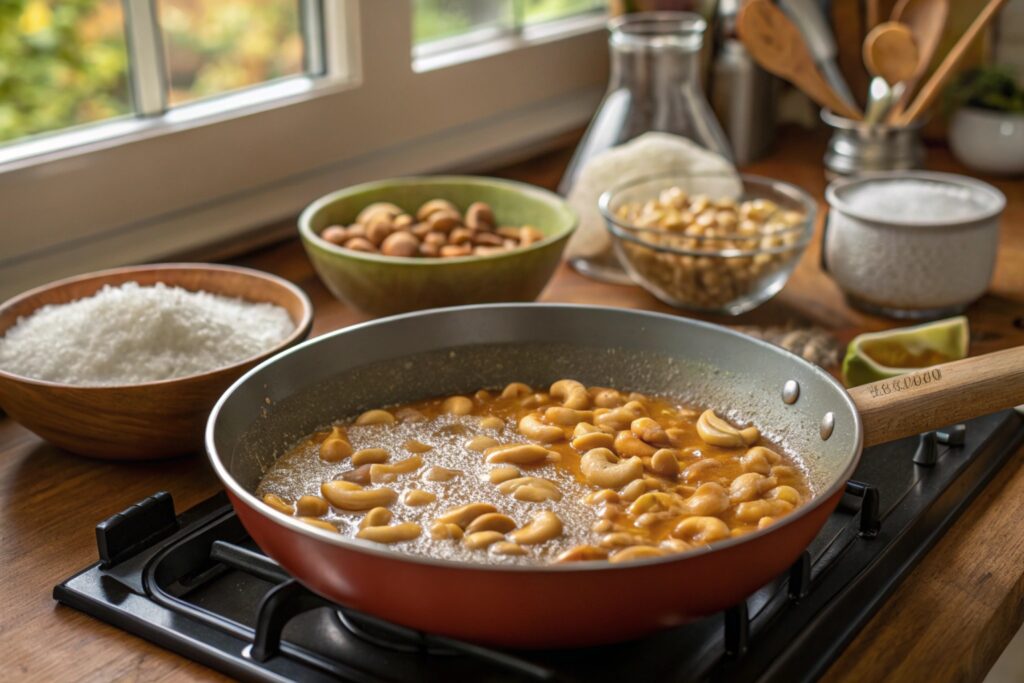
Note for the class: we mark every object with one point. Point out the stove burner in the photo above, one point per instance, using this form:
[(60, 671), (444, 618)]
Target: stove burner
[(198, 585), (389, 636)]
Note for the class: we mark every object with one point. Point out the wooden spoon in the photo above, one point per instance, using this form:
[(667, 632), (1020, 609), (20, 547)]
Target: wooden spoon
[(777, 45), (933, 86), (891, 52), (926, 20)]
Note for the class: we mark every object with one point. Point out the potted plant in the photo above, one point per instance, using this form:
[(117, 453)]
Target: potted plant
[(986, 131)]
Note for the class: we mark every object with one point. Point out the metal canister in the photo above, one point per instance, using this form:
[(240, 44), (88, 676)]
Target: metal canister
[(856, 148)]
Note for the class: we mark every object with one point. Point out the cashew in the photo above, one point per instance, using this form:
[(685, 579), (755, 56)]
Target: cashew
[(415, 497), (786, 493), (311, 506), (414, 446), (602, 468), (749, 486), (750, 435), (664, 462), (492, 422), (633, 490), (582, 553), (507, 548), (457, 405), (438, 473), (516, 390), (531, 427), (503, 473), (608, 398), (654, 501), (492, 521), (336, 446), (375, 417), (650, 431), (433, 206), (620, 539), (319, 524), (709, 499), (360, 475), (675, 545), (591, 440), (376, 517), (536, 494), (395, 533), (636, 552), (371, 456), (464, 514), (481, 539), (278, 503), (701, 530), (626, 444), (531, 489), (568, 417), (519, 454), (571, 393), (441, 531), (360, 499), (601, 496), (714, 430), (481, 443), (754, 510), (544, 526), (700, 469), (385, 473), (602, 526), (622, 417)]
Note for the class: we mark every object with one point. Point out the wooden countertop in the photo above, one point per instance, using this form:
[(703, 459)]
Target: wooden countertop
[(948, 621)]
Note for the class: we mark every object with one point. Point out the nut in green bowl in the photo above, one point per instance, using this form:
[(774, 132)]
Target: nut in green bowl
[(382, 285)]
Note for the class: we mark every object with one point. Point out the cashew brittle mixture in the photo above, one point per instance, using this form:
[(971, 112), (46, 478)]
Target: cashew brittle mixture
[(525, 476)]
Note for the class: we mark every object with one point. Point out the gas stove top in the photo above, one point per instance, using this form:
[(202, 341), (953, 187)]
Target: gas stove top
[(197, 585)]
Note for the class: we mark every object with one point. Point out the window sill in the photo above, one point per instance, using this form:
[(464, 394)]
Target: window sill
[(489, 43)]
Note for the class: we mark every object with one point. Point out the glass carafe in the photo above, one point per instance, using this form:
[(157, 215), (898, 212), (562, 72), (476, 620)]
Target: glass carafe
[(654, 86)]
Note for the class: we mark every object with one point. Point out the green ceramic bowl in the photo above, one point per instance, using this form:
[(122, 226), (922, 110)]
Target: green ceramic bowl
[(382, 285)]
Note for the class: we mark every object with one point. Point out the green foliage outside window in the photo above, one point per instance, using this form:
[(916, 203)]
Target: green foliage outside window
[(61, 63)]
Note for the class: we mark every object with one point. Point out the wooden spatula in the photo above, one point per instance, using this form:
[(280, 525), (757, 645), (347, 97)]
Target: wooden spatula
[(926, 20), (778, 46), (931, 89)]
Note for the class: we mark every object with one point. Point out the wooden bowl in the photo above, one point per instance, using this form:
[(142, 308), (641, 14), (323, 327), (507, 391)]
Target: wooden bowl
[(152, 419)]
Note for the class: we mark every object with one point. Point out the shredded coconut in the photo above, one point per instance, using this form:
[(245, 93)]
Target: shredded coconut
[(896, 200), (133, 334)]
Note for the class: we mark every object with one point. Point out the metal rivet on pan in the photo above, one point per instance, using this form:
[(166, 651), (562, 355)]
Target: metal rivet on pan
[(828, 423), (790, 391)]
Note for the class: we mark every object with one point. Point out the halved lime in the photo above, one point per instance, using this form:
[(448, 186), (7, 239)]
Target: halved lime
[(878, 355)]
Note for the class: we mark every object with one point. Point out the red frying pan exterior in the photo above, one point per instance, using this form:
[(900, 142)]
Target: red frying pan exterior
[(535, 609)]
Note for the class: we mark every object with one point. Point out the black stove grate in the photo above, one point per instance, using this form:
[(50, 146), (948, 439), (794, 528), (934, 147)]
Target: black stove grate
[(196, 584)]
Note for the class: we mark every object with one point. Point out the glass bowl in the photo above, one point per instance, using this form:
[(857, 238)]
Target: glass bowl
[(709, 243)]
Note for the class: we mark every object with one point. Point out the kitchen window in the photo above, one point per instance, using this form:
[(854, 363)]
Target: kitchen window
[(199, 137), (65, 64)]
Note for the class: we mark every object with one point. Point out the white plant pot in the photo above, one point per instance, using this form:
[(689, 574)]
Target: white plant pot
[(988, 141)]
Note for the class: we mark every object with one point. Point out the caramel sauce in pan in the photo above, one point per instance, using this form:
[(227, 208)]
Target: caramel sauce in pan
[(596, 523)]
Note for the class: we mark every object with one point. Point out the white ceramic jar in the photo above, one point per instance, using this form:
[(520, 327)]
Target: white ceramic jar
[(912, 244), (988, 141)]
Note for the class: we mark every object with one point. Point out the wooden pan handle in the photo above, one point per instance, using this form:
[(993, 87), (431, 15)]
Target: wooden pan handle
[(934, 397)]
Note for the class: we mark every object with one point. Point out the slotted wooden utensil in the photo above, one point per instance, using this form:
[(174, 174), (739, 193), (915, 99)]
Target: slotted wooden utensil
[(931, 89), (926, 20), (778, 46)]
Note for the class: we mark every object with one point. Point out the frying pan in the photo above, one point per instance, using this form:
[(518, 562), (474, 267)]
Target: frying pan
[(459, 350)]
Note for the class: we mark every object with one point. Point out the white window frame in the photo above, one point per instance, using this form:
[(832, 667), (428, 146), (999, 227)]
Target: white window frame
[(210, 172)]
